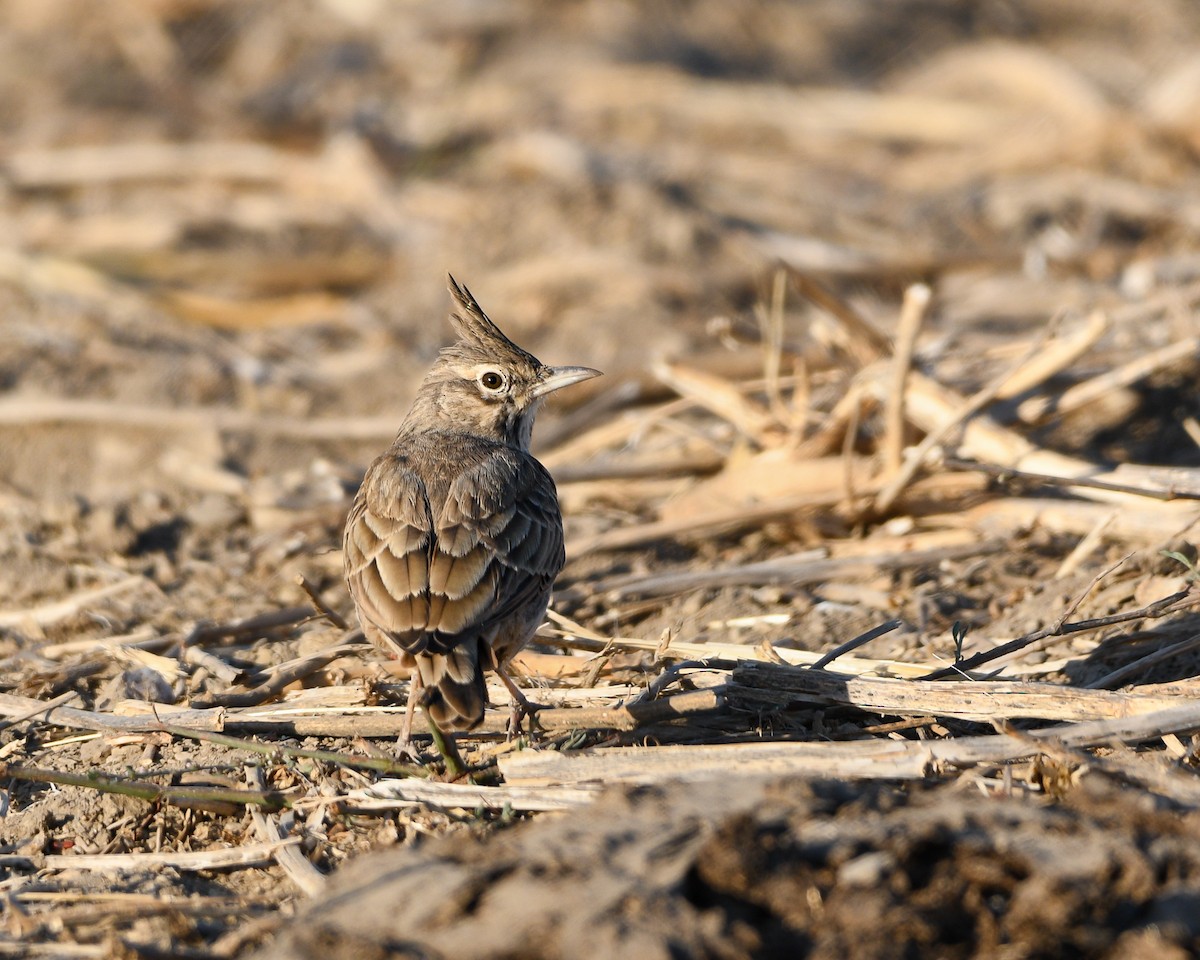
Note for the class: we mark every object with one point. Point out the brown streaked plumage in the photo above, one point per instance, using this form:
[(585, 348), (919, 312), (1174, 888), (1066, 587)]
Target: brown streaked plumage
[(455, 537)]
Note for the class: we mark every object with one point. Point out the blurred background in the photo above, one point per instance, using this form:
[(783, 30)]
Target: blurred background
[(225, 226)]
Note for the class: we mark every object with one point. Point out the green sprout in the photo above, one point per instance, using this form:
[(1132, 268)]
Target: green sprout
[(959, 632)]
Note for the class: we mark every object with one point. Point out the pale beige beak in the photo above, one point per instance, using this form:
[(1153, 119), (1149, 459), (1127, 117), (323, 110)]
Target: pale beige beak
[(555, 378)]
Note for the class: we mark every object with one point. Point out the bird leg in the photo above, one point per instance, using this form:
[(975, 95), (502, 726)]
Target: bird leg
[(404, 745), (522, 706)]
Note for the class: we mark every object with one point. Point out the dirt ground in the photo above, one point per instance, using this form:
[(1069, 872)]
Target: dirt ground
[(800, 239), (785, 869)]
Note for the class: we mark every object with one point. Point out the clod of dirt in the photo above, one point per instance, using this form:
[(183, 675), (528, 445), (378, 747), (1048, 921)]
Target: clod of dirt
[(783, 868)]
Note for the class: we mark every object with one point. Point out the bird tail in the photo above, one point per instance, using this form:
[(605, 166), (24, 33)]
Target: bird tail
[(453, 693)]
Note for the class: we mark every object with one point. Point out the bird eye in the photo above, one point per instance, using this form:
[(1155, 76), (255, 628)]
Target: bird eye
[(492, 380)]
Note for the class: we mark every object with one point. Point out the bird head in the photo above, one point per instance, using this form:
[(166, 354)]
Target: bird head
[(484, 383)]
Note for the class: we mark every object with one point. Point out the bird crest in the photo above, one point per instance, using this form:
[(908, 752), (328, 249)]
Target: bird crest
[(474, 327)]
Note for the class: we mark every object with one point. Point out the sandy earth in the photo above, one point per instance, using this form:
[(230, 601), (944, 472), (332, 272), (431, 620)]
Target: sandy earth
[(784, 868)]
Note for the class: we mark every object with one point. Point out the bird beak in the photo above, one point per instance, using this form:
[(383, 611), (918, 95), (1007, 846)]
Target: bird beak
[(555, 378)]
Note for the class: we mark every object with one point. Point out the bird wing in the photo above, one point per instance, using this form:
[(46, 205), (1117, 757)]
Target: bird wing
[(500, 520), (431, 571), (386, 548)]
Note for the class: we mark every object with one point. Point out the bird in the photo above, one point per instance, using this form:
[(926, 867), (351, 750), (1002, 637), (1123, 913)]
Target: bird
[(455, 536)]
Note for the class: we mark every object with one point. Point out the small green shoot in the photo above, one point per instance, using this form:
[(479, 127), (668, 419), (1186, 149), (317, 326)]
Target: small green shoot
[(959, 632)]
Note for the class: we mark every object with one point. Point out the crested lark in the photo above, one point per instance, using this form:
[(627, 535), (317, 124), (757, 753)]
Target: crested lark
[(455, 537)]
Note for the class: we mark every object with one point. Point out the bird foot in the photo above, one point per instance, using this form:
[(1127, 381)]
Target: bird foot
[(406, 751), (521, 709)]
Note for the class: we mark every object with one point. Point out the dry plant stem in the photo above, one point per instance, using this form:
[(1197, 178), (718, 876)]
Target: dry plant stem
[(220, 800), (586, 641), (41, 707), (233, 942), (1045, 479), (718, 396), (1074, 604), (848, 459), (1060, 354), (366, 723), (212, 664), (1130, 671), (320, 605), (723, 521), (551, 720), (68, 674), (801, 409), (870, 343), (144, 638), (1012, 516), (965, 700), (1169, 782), (912, 314), (378, 764), (983, 439), (861, 759), (664, 680), (19, 411), (575, 628), (394, 794), (51, 613), (1080, 395), (833, 428), (627, 429), (281, 677), (618, 433), (972, 406), (631, 716), (1160, 608), (861, 640), (1191, 427), (246, 856), (789, 571), (88, 720), (300, 871), (95, 903), (771, 324), (56, 951), (126, 909), (26, 707), (1084, 548), (251, 626)]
